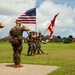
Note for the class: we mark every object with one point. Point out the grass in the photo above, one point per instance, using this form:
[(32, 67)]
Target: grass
[(56, 54)]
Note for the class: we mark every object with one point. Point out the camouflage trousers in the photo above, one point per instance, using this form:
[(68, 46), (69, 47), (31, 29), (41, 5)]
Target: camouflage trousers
[(17, 53), (31, 48), (38, 47)]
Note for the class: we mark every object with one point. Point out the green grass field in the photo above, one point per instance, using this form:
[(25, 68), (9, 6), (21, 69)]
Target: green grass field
[(62, 55)]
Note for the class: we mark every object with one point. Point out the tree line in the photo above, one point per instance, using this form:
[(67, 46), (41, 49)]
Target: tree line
[(58, 39)]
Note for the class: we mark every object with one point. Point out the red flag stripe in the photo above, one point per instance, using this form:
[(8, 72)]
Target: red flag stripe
[(27, 22), (26, 19)]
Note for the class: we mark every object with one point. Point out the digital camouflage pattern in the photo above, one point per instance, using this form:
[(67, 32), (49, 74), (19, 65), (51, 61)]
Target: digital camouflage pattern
[(39, 39), (16, 41), (34, 45), (30, 44)]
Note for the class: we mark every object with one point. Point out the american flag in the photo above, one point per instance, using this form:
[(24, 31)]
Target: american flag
[(28, 17)]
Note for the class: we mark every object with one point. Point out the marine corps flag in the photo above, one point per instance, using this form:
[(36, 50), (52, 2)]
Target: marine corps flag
[(50, 27), (28, 17)]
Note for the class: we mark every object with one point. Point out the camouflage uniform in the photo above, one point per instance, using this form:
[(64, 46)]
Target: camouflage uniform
[(34, 42), (16, 33), (30, 44), (39, 39)]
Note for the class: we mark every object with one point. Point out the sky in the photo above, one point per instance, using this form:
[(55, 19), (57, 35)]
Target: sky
[(45, 11)]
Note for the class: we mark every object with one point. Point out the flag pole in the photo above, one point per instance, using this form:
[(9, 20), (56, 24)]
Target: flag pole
[(35, 27), (44, 32)]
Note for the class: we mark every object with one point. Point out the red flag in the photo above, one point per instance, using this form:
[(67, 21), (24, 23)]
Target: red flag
[(50, 27), (29, 17)]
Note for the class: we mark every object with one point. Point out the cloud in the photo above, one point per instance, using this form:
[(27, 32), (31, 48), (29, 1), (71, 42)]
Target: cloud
[(16, 6), (68, 2)]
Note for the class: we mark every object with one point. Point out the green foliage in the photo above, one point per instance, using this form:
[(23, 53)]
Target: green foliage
[(62, 55)]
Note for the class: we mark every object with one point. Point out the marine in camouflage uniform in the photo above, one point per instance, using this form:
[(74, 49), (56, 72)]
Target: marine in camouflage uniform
[(15, 38), (34, 42), (30, 44), (39, 39)]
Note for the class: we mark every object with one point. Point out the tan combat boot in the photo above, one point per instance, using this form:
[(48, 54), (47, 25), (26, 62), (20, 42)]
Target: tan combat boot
[(19, 65), (15, 65)]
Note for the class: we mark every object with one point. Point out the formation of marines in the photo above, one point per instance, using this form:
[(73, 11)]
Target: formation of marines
[(34, 41)]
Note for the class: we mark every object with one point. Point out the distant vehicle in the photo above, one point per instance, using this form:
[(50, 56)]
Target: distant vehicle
[(73, 40)]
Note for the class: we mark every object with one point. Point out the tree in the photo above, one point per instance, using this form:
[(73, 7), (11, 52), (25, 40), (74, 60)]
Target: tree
[(59, 39), (70, 38)]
